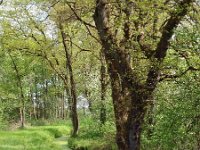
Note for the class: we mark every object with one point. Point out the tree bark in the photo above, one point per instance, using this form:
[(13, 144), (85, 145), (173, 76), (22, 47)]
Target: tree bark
[(63, 105), (46, 105), (129, 110), (131, 97), (103, 90), (87, 94), (22, 98), (74, 113)]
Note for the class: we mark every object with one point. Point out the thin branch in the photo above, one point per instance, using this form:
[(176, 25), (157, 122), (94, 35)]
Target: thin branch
[(90, 33), (35, 24), (49, 9), (78, 17), (191, 68), (86, 24), (44, 56), (166, 2)]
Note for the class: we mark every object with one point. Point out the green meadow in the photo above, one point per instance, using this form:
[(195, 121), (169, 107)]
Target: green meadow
[(35, 138)]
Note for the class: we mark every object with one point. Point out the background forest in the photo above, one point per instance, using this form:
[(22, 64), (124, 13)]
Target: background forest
[(100, 75)]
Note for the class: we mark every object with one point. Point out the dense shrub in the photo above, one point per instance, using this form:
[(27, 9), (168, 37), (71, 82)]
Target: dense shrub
[(55, 132)]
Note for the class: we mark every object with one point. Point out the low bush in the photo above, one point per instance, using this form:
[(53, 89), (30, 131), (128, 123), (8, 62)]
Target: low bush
[(39, 122), (55, 132), (93, 136)]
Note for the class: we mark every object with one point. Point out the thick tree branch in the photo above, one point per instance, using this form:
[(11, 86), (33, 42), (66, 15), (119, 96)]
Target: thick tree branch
[(169, 27), (163, 45), (126, 27), (101, 18), (118, 57)]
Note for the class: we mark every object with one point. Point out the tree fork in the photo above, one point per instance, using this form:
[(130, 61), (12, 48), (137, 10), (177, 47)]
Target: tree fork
[(130, 97)]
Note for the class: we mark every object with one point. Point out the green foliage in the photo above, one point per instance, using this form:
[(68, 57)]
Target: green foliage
[(55, 132), (176, 116), (39, 122), (36, 47), (94, 136), (3, 123)]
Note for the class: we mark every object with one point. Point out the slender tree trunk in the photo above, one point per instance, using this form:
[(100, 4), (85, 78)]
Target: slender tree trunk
[(35, 100), (32, 107), (68, 99), (74, 113), (63, 106), (87, 94), (22, 98), (22, 117), (55, 95), (56, 111), (46, 116), (34, 111), (103, 89)]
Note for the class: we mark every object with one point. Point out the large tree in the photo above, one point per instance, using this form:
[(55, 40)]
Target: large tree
[(136, 36)]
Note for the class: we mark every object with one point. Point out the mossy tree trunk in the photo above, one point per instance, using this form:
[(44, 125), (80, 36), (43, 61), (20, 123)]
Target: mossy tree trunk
[(131, 96)]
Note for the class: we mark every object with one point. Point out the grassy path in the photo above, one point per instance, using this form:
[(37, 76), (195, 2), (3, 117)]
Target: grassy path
[(36, 138), (62, 141)]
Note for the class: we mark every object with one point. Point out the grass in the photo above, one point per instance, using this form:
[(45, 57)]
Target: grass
[(62, 142), (33, 138), (56, 136), (92, 136)]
